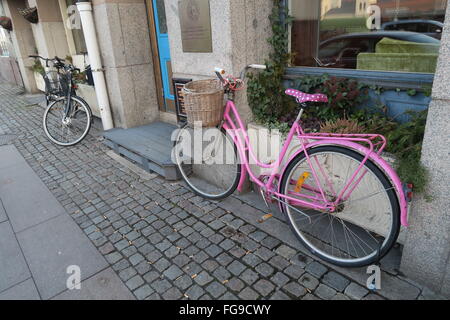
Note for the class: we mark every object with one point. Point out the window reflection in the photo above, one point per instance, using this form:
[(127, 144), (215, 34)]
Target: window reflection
[(385, 35)]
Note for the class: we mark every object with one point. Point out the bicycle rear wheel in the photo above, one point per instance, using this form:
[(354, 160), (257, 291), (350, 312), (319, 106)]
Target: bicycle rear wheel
[(364, 227), (208, 161), (67, 130)]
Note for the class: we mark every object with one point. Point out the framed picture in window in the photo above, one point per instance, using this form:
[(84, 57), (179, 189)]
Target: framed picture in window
[(178, 85)]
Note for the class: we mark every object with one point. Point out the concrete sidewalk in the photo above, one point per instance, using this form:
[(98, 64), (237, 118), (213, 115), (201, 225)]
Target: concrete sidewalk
[(40, 241)]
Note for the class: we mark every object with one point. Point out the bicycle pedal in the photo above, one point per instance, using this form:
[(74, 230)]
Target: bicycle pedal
[(265, 218)]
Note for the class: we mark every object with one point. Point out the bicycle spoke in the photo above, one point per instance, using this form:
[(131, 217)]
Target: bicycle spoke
[(347, 234)]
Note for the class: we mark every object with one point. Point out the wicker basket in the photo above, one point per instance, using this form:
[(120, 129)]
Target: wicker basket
[(204, 102)]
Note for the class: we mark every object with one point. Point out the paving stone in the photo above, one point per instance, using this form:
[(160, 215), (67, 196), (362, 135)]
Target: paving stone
[(172, 294), (213, 250), (285, 251), (127, 273), (316, 269), (279, 279), (251, 259), (235, 284), (264, 269), (355, 291), (216, 289), (264, 287), (295, 290), (264, 253), (309, 281), (122, 264), (210, 265), (143, 267), (149, 277), (236, 268), (161, 285), (135, 282), (294, 271), (136, 259), (325, 292), (181, 260), (222, 274), (195, 292), (228, 296), (162, 264), (300, 260), (237, 252), (183, 282), (335, 281), (200, 257), (143, 292), (224, 259), (249, 276), (203, 278), (279, 262), (248, 294), (173, 272)]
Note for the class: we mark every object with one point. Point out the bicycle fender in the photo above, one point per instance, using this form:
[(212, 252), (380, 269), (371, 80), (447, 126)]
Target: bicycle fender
[(375, 158)]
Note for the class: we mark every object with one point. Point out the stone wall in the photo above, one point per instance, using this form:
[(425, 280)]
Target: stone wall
[(124, 40), (239, 32), (9, 71), (426, 256), (23, 42)]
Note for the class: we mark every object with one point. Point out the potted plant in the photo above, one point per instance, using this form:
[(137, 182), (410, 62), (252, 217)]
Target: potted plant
[(6, 23)]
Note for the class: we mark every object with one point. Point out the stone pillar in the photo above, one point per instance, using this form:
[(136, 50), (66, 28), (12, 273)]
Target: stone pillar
[(239, 32), (124, 40), (49, 32), (426, 255), (23, 42)]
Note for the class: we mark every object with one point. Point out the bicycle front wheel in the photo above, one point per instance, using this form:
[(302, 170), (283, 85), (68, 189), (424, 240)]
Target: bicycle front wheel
[(67, 129), (364, 226), (208, 161)]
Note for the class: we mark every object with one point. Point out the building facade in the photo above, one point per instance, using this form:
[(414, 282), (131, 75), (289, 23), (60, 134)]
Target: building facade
[(147, 46)]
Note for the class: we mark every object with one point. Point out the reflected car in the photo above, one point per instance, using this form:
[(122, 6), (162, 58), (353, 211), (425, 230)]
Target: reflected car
[(428, 27), (342, 51)]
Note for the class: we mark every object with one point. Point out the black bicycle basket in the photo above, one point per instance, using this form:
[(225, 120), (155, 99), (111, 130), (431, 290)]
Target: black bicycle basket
[(56, 83)]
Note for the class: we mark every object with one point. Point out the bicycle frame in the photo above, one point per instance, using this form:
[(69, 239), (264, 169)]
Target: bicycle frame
[(375, 146)]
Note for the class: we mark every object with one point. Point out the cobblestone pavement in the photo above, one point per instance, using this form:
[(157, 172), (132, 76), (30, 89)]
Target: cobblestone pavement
[(166, 243)]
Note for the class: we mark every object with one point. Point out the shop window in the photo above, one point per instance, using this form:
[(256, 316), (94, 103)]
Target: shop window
[(375, 35)]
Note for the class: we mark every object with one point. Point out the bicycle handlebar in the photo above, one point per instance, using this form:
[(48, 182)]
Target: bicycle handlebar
[(220, 72), (58, 62)]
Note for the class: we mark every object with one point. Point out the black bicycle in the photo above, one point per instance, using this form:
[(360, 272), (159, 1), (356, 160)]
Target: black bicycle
[(67, 118)]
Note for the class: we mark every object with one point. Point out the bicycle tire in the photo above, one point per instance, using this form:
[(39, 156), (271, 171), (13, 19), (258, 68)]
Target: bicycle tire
[(88, 111), (389, 241), (184, 170)]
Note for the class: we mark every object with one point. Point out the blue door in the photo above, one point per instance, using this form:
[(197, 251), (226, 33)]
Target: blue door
[(164, 51)]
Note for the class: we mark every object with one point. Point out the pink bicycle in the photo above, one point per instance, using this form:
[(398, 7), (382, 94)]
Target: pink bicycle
[(344, 202)]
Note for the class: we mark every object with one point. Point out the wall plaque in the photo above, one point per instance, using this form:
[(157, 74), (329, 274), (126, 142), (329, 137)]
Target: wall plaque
[(195, 23), (178, 85)]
